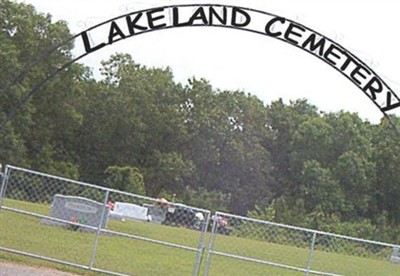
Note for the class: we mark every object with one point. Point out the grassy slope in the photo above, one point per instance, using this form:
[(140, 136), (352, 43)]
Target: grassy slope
[(136, 257)]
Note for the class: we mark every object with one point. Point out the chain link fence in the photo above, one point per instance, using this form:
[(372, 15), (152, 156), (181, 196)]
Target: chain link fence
[(104, 230), (96, 228), (240, 245)]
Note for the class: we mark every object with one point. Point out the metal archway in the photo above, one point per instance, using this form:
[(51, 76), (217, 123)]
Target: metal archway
[(223, 16)]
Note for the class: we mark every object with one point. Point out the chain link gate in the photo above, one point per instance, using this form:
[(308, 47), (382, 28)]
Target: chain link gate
[(91, 227)]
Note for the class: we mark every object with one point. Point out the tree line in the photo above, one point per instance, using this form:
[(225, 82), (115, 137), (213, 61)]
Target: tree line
[(138, 130)]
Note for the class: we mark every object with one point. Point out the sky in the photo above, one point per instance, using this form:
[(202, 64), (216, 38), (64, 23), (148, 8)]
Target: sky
[(259, 65)]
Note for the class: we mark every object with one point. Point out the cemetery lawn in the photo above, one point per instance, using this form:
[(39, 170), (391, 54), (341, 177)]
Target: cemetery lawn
[(138, 257)]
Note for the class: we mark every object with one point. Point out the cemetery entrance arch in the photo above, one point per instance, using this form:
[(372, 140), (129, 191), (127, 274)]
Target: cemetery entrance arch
[(222, 16)]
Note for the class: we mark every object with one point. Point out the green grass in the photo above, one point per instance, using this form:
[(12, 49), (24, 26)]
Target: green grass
[(135, 257)]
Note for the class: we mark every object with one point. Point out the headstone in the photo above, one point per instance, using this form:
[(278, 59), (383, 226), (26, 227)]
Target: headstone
[(77, 209), (395, 258), (129, 211)]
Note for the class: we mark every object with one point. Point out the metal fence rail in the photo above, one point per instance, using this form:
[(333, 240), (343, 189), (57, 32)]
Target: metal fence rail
[(118, 233), (271, 247)]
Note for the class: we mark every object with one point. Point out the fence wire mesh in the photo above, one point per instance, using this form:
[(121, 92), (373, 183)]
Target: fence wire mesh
[(98, 228), (105, 230), (354, 256), (241, 245)]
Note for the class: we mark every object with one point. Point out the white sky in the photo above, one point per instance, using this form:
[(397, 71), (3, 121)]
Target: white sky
[(263, 66)]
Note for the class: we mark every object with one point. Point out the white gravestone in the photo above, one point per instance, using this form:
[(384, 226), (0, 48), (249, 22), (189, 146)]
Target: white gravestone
[(129, 211)]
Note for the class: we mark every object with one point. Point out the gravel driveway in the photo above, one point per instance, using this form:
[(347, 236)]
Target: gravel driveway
[(14, 269)]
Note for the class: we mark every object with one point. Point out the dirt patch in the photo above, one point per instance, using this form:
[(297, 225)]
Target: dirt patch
[(14, 269)]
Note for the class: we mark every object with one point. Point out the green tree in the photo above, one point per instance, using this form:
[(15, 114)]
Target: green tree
[(212, 200), (133, 113), (319, 189), (313, 140), (168, 171), (43, 127), (387, 159), (356, 176), (283, 122), (128, 179), (226, 129), (351, 133)]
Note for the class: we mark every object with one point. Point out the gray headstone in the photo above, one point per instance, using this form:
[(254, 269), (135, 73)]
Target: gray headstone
[(395, 258), (77, 209)]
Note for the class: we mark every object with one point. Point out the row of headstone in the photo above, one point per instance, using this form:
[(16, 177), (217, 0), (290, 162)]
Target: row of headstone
[(89, 212)]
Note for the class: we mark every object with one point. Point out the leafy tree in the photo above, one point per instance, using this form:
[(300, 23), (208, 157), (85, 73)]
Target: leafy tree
[(387, 159), (128, 179), (266, 212), (212, 200), (226, 130), (283, 121), (356, 177), (319, 189), (312, 141), (110, 133), (37, 126), (321, 220), (132, 113), (351, 133), (167, 171)]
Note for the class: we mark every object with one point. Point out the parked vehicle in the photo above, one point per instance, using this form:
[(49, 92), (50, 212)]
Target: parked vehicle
[(183, 216)]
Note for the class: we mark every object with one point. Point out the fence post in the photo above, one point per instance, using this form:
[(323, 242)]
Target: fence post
[(96, 240), (210, 247), (4, 181), (200, 250), (310, 258)]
